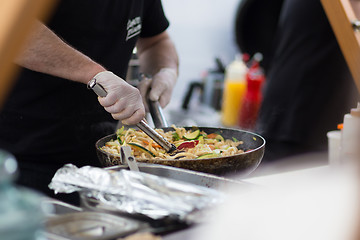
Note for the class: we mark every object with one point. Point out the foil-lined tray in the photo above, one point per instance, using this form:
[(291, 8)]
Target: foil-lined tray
[(136, 193)]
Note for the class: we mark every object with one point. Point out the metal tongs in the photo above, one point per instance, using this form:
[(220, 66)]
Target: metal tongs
[(127, 157), (169, 147)]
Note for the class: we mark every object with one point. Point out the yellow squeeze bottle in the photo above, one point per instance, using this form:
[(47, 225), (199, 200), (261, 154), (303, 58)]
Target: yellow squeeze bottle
[(234, 90)]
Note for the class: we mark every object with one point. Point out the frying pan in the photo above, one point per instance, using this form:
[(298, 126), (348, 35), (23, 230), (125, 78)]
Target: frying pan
[(240, 164)]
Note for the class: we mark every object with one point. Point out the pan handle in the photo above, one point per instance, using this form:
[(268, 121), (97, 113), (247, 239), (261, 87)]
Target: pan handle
[(157, 114)]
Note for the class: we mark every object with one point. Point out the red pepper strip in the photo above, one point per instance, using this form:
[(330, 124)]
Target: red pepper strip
[(212, 135), (188, 144)]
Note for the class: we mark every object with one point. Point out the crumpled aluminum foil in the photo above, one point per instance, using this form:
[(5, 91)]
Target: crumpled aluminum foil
[(136, 192)]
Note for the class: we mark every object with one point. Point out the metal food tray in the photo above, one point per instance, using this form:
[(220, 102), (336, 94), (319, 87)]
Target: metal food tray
[(56, 207), (179, 174), (89, 226), (189, 176)]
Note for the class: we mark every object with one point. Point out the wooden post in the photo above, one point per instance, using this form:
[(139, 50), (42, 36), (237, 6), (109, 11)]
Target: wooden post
[(341, 16), (16, 21)]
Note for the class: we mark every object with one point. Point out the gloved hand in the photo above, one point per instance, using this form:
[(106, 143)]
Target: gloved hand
[(161, 86), (123, 101)]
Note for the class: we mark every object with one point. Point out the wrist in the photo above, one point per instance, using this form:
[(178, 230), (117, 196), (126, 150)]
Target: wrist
[(171, 71), (96, 76), (93, 72)]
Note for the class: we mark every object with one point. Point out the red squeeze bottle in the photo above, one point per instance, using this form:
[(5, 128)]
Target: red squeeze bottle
[(252, 99)]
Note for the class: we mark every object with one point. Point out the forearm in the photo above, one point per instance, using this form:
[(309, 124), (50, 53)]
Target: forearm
[(45, 52), (157, 53)]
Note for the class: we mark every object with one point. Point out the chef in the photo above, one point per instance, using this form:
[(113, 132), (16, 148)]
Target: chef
[(50, 118)]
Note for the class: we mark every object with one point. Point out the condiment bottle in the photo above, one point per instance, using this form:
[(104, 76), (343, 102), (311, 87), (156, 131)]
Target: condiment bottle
[(234, 89), (247, 115), (21, 213), (350, 137)]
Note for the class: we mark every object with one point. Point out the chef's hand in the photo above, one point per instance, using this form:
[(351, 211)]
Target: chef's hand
[(123, 101), (161, 86)]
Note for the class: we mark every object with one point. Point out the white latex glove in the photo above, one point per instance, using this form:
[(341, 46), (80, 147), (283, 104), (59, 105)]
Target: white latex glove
[(161, 86), (123, 101)]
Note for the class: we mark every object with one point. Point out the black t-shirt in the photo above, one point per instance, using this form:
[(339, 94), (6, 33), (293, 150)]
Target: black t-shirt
[(54, 120), (308, 87)]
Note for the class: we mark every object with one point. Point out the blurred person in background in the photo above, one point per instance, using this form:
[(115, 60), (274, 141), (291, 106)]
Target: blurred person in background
[(50, 118), (308, 86)]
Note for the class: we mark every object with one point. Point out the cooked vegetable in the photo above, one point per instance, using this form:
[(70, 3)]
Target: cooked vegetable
[(119, 133), (189, 144), (176, 136), (137, 147), (216, 136), (201, 139), (202, 146), (219, 138), (192, 135), (212, 135), (209, 155)]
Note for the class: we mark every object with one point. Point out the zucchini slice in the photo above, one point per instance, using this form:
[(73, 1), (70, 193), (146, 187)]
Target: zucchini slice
[(119, 133), (219, 138), (209, 155), (137, 147), (192, 135)]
